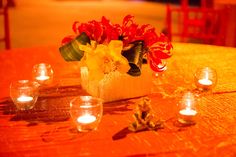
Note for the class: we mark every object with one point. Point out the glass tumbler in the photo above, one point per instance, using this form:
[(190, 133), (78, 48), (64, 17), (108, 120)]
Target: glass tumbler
[(187, 109), (24, 94), (42, 73), (86, 112), (205, 78)]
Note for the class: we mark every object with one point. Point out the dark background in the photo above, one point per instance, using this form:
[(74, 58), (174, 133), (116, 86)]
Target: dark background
[(191, 2)]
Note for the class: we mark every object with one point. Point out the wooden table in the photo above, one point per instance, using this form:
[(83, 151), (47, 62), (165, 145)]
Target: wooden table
[(47, 130)]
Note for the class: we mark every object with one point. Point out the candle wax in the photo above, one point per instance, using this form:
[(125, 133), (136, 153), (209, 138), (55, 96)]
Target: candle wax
[(188, 112), (42, 78), (206, 82), (87, 118), (25, 99)]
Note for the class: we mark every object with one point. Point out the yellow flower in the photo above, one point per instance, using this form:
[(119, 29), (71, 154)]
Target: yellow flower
[(103, 59), (121, 62)]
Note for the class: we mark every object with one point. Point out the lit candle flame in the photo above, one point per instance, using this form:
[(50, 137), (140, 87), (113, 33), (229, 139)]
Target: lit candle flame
[(188, 103), (42, 76), (206, 75), (205, 81)]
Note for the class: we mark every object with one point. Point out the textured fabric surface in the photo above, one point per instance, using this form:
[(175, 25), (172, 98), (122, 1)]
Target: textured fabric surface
[(47, 130)]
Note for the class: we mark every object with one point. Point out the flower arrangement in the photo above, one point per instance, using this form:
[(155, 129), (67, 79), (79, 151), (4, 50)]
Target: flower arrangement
[(105, 47), (112, 54)]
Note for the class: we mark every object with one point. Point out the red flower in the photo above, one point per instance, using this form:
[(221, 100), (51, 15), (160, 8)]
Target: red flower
[(158, 52), (67, 39), (156, 46), (101, 31)]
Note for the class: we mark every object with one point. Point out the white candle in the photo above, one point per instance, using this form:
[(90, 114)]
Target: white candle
[(86, 119), (187, 116), (188, 112), (205, 82), (42, 78), (24, 99)]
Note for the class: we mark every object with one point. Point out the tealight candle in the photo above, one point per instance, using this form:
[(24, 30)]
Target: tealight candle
[(86, 112), (187, 112), (24, 94), (205, 82), (24, 99), (43, 73), (86, 119), (187, 115), (42, 77), (205, 78)]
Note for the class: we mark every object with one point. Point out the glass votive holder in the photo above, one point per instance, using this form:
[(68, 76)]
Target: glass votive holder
[(205, 78), (187, 111), (43, 73), (86, 112), (24, 94), (158, 78)]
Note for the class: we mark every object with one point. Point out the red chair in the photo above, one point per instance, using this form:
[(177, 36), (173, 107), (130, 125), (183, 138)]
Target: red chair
[(202, 24), (4, 14)]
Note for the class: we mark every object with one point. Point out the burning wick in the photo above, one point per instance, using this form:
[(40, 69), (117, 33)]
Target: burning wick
[(205, 81), (42, 76), (187, 114)]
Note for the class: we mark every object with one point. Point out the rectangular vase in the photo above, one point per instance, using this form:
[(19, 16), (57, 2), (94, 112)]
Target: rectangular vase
[(116, 86)]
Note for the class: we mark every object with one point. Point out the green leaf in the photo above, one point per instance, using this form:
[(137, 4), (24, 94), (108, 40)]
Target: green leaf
[(134, 55), (71, 51)]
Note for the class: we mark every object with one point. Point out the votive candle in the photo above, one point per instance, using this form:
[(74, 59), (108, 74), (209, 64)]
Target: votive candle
[(24, 99), (86, 119)]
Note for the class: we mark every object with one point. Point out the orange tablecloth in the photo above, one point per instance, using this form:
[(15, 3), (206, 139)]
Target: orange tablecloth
[(47, 130)]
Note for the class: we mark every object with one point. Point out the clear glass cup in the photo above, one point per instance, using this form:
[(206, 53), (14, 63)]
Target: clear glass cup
[(24, 94), (86, 112), (187, 109), (43, 73), (158, 78), (205, 78)]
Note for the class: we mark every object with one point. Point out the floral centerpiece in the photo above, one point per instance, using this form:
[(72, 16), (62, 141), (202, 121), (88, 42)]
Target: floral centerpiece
[(115, 57)]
